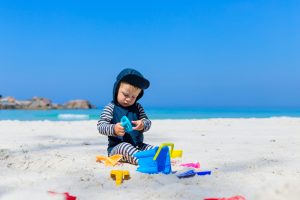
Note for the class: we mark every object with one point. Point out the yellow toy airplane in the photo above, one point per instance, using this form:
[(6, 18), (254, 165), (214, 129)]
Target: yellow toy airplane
[(109, 161)]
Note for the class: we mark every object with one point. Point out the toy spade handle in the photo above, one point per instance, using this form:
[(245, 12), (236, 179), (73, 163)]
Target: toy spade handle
[(126, 124), (161, 146)]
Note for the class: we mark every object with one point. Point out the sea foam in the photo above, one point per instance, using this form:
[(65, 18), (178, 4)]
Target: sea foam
[(73, 117)]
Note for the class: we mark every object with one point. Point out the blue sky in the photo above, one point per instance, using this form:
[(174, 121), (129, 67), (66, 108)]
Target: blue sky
[(195, 53)]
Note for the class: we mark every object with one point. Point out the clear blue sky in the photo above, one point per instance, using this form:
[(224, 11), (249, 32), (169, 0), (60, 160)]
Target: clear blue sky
[(195, 53)]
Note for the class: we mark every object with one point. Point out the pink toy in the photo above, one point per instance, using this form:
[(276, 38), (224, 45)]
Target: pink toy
[(230, 198), (193, 165)]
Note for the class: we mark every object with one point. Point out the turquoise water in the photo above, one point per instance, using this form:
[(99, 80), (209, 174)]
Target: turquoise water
[(153, 113)]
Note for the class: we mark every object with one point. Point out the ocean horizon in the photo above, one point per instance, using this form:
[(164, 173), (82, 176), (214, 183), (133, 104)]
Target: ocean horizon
[(153, 113)]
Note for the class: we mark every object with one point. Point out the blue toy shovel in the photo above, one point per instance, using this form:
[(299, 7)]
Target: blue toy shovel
[(186, 174), (190, 173), (126, 124)]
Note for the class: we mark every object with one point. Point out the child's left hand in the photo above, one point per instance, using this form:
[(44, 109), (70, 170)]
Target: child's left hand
[(139, 125)]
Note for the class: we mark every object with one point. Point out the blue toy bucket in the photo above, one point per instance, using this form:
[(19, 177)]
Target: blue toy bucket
[(148, 164)]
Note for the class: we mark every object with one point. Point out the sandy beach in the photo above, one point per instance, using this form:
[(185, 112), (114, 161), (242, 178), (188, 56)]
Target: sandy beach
[(256, 158)]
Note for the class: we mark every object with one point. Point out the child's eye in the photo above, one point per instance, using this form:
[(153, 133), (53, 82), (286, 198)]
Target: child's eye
[(125, 95)]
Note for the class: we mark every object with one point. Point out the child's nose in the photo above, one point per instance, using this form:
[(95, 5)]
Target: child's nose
[(127, 99)]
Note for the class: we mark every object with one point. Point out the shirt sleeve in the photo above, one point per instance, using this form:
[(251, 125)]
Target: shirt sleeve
[(144, 118), (104, 125)]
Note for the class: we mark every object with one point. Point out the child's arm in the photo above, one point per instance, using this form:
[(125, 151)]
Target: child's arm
[(143, 117), (104, 126)]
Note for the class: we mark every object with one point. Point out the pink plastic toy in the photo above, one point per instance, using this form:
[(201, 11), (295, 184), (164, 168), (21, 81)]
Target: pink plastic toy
[(230, 198), (193, 165)]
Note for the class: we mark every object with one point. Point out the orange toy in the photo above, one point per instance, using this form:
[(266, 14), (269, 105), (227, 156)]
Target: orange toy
[(109, 161)]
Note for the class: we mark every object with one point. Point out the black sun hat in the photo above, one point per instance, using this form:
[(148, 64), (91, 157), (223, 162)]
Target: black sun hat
[(134, 78)]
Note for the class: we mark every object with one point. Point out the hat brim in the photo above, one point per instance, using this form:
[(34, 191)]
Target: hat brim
[(136, 81)]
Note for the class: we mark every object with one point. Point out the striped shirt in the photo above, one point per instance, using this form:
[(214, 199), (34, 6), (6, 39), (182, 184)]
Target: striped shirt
[(105, 127)]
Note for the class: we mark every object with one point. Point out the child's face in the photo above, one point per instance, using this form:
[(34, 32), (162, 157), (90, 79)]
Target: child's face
[(127, 94)]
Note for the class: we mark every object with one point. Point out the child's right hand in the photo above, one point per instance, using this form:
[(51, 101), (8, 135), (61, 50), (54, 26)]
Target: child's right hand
[(119, 129)]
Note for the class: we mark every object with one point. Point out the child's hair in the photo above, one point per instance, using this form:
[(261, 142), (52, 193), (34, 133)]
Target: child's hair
[(135, 87)]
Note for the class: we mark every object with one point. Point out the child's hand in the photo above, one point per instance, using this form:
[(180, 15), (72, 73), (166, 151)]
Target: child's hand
[(139, 125), (119, 129)]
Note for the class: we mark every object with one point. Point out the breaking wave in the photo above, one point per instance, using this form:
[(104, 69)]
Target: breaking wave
[(73, 117)]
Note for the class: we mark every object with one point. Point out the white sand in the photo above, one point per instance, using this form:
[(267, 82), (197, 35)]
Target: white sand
[(256, 158)]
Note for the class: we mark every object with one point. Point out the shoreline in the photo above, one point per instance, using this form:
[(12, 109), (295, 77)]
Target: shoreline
[(153, 114), (164, 119)]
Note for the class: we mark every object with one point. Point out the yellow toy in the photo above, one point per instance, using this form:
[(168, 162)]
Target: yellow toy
[(109, 161), (176, 154), (173, 153), (119, 175)]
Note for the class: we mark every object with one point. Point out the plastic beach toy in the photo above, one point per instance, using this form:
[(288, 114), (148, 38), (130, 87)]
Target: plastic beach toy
[(186, 174), (176, 154), (126, 124), (193, 165), (190, 172), (203, 173), (230, 198), (109, 161), (173, 153), (154, 160), (66, 195), (119, 175), (158, 159), (147, 163)]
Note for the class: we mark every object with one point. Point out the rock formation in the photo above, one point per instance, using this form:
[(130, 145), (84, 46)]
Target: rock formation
[(40, 103), (78, 104)]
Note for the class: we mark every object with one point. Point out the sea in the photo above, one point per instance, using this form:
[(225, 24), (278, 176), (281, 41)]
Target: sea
[(153, 113)]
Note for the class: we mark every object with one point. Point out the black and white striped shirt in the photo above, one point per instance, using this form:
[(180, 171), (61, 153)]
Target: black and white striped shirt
[(105, 127)]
